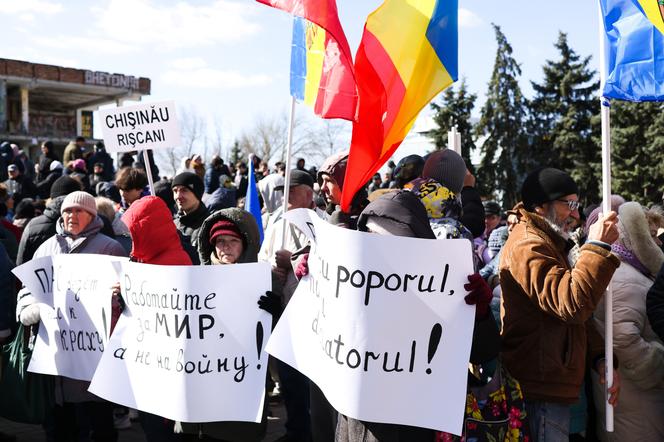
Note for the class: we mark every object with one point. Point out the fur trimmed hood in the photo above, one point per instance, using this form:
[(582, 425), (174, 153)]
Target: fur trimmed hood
[(635, 236), (245, 223)]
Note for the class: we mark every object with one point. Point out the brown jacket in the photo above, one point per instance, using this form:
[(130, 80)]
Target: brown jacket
[(545, 308)]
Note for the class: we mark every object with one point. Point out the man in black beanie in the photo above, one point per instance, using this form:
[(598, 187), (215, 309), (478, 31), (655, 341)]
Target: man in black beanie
[(41, 228), (188, 191), (546, 302)]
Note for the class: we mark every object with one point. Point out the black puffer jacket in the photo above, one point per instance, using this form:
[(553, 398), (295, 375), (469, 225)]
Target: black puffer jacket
[(38, 230), (405, 208), (473, 211), (44, 186)]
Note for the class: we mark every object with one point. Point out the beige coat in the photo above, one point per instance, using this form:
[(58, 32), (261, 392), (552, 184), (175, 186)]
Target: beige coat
[(639, 415)]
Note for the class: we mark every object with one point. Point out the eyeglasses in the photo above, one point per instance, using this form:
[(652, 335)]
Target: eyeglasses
[(572, 204)]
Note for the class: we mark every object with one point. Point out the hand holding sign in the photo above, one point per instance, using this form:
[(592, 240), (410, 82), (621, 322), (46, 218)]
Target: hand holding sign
[(202, 338)]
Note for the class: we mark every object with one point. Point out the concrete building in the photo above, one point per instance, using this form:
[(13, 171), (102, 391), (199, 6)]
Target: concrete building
[(41, 102)]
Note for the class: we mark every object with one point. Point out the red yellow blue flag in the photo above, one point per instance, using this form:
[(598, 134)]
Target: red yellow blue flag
[(634, 42), (321, 62), (408, 54)]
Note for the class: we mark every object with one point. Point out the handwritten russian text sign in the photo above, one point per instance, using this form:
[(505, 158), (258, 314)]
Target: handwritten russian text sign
[(190, 345), (37, 276), (74, 329)]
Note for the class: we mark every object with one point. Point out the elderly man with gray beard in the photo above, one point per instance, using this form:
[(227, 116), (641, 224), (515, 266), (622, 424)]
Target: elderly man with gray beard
[(546, 303)]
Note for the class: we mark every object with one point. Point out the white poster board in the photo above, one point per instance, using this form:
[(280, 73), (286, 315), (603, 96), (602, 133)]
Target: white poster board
[(144, 126), (74, 329), (190, 345), (381, 326), (37, 276)]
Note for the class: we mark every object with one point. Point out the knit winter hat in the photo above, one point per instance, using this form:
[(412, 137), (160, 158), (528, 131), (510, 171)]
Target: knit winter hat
[(64, 186), (492, 208), (191, 181), (593, 216), (81, 200), (223, 227), (79, 164), (447, 167), (545, 185), (55, 164)]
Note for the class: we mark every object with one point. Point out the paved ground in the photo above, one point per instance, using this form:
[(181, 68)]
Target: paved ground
[(34, 433)]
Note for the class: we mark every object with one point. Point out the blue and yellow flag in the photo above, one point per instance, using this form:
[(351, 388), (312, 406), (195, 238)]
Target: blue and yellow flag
[(634, 36)]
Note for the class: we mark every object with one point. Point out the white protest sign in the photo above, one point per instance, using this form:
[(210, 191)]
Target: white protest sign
[(74, 329), (37, 276), (380, 314), (190, 346), (145, 126)]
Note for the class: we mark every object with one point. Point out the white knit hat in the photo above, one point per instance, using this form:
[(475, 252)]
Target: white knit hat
[(82, 200)]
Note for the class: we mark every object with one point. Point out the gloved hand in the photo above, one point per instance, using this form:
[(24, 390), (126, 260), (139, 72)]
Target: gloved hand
[(302, 268), (30, 315), (479, 295), (271, 303)]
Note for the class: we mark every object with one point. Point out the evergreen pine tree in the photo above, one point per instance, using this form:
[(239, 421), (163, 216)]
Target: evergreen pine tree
[(504, 147), (236, 153), (654, 151), (637, 151), (455, 109), (561, 129)]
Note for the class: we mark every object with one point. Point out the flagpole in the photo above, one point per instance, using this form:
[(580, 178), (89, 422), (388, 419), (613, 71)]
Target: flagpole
[(606, 208), (148, 170), (289, 145)]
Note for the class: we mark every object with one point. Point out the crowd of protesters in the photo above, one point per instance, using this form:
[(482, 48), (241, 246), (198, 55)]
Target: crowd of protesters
[(537, 366)]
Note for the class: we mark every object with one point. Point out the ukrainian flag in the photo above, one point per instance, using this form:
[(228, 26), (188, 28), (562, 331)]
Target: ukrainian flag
[(634, 41)]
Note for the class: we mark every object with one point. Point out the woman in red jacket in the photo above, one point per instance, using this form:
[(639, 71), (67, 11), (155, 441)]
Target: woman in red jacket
[(154, 237), (155, 240)]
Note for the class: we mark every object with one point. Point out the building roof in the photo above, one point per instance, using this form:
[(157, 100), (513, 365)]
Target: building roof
[(56, 88)]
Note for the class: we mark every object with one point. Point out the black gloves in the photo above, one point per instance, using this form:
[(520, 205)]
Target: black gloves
[(271, 303)]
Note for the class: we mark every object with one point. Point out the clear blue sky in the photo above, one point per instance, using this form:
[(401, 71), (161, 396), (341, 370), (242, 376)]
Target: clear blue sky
[(229, 59)]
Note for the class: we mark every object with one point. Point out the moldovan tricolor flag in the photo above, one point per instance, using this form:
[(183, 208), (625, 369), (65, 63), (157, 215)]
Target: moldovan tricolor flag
[(634, 42), (408, 54), (321, 61)]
